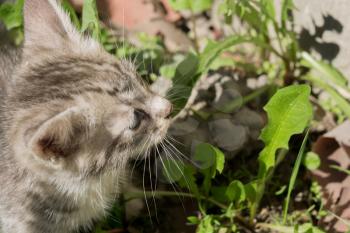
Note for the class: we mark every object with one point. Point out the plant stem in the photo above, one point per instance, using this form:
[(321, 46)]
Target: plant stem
[(262, 184)]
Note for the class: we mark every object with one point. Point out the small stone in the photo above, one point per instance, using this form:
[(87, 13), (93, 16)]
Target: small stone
[(227, 135), (185, 127), (249, 118)]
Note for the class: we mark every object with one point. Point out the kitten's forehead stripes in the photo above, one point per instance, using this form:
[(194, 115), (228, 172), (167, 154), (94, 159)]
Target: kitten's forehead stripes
[(76, 76)]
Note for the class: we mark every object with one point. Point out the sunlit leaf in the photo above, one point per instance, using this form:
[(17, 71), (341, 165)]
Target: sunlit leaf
[(193, 5), (206, 225), (289, 112), (268, 6)]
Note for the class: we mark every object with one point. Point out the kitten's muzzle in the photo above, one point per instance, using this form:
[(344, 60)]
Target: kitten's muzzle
[(161, 107)]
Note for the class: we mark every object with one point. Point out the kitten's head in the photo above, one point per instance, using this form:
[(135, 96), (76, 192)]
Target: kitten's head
[(74, 107)]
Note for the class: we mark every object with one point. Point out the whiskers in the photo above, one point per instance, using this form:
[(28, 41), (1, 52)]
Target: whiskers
[(165, 163)]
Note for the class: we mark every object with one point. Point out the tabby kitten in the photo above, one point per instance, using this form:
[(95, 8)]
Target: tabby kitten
[(71, 118)]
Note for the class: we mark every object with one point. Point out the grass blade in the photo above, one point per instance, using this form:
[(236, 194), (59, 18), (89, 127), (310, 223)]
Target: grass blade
[(294, 176)]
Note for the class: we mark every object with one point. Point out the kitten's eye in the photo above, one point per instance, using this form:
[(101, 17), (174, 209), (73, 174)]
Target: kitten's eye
[(139, 116)]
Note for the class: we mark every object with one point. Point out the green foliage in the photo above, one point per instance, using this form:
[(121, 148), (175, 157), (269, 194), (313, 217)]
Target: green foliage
[(311, 160), (214, 49), (206, 225), (289, 112), (209, 157), (12, 17), (193, 5), (90, 21), (236, 191), (11, 14)]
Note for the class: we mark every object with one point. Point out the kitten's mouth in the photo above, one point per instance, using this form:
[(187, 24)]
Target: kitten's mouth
[(157, 138)]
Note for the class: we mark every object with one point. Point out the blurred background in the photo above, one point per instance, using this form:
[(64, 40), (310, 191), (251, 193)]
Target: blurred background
[(261, 138)]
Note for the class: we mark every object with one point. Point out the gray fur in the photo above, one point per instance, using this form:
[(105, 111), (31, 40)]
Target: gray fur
[(68, 126)]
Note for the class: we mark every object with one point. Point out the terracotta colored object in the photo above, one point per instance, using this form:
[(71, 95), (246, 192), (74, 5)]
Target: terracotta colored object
[(334, 149), (171, 15), (143, 16), (129, 14)]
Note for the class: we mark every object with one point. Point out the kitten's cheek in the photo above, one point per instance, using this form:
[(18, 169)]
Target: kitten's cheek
[(162, 130)]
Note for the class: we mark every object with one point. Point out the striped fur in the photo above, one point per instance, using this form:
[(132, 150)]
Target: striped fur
[(69, 123)]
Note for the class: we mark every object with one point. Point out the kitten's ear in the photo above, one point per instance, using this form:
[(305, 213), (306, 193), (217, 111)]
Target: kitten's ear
[(59, 137), (46, 25)]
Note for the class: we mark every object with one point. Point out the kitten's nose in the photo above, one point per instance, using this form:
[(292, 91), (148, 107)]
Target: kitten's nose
[(161, 107)]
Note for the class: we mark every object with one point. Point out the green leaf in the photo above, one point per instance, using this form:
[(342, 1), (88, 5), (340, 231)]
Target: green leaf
[(90, 20), (236, 191), (294, 176), (210, 160), (250, 190), (206, 225), (194, 5), (219, 193), (289, 112), (209, 156), (220, 160), (180, 4), (168, 71), (186, 70), (268, 7), (192, 67), (193, 219), (201, 5), (214, 49), (11, 14), (312, 161), (183, 80), (327, 72)]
